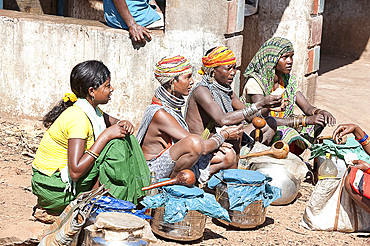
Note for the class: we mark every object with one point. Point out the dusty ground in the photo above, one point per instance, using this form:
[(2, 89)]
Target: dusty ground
[(343, 90)]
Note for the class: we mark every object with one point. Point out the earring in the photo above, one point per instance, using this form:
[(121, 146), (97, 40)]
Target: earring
[(93, 98), (172, 88)]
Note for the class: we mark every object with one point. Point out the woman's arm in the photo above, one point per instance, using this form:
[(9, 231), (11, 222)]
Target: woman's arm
[(326, 117), (127, 125), (345, 129), (80, 162)]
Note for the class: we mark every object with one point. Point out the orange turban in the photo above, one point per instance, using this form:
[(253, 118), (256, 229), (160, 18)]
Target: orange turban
[(218, 57)]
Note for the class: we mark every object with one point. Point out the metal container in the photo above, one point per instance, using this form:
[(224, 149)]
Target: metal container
[(92, 238), (282, 179), (189, 229), (253, 215)]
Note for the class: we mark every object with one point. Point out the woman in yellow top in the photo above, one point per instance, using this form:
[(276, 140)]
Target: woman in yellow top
[(73, 154)]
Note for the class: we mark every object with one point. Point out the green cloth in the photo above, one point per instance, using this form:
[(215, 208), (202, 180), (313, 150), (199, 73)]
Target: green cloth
[(121, 166), (123, 169), (328, 146)]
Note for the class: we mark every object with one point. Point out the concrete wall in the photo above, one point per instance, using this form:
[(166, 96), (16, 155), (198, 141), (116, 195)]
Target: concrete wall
[(38, 52), (298, 20), (346, 29)]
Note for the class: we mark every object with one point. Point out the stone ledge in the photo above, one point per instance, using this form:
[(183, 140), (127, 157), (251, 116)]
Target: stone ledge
[(65, 21)]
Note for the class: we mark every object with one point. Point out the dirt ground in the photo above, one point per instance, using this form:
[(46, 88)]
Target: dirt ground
[(343, 88)]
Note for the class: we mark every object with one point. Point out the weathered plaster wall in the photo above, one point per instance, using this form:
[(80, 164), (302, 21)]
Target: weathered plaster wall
[(38, 53), (299, 21), (346, 29)]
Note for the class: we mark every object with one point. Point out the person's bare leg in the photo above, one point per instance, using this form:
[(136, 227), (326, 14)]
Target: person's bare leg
[(360, 200), (186, 153), (222, 160), (267, 132)]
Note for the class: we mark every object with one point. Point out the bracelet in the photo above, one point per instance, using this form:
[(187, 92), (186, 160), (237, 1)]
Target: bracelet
[(219, 139), (295, 122), (316, 111), (259, 113), (118, 122), (367, 171), (228, 135), (363, 138), (304, 121), (366, 142), (92, 154), (250, 110)]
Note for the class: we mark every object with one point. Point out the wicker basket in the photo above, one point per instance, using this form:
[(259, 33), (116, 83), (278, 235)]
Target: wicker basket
[(189, 229), (253, 215)]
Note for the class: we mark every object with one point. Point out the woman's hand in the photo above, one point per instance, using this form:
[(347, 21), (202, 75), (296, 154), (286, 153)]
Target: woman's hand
[(225, 147), (270, 101), (232, 132), (127, 126), (328, 117), (114, 131), (362, 165), (316, 120), (343, 130), (284, 103)]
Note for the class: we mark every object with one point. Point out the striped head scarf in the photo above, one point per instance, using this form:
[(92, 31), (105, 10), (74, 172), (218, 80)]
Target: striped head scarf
[(262, 68), (170, 67), (219, 56)]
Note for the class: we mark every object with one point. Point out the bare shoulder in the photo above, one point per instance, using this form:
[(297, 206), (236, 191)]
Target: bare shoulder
[(201, 92), (161, 116)]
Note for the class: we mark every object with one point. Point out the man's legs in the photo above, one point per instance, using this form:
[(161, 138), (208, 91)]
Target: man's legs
[(224, 159), (185, 153)]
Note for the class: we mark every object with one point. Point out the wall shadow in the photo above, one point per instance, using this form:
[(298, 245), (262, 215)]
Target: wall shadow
[(345, 34), (260, 27)]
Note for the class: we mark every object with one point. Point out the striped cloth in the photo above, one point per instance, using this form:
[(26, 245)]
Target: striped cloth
[(360, 182), (161, 100), (170, 67), (219, 56)]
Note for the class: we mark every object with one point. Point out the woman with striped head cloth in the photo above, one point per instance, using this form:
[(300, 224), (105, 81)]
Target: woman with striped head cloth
[(166, 142), (269, 73)]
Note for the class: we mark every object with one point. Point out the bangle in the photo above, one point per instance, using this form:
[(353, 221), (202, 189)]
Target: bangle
[(365, 137), (92, 154), (367, 171), (316, 111), (366, 142), (219, 139), (250, 110), (228, 135), (304, 121), (259, 114)]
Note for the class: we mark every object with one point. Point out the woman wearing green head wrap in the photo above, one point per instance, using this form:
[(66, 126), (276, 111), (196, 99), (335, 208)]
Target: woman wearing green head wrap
[(269, 73)]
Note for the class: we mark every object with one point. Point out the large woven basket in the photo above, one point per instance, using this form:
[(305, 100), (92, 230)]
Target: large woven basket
[(189, 229), (253, 215)]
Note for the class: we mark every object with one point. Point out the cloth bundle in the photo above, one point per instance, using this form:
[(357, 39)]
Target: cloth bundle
[(178, 200), (110, 204), (351, 146), (245, 187)]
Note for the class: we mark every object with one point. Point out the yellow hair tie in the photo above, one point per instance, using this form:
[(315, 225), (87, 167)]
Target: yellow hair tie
[(70, 97)]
